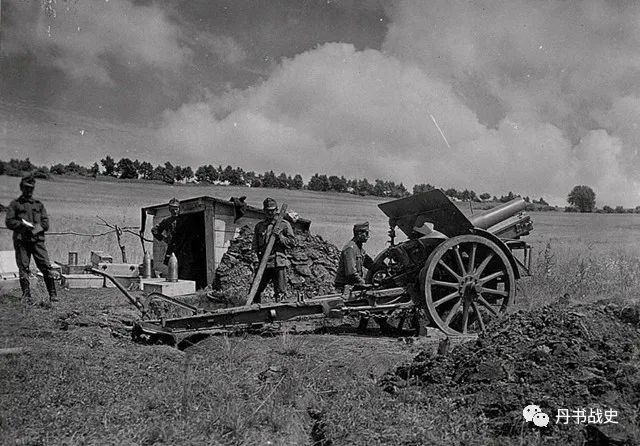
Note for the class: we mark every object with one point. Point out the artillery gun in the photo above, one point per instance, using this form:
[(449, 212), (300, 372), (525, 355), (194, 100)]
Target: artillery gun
[(452, 271), (456, 267)]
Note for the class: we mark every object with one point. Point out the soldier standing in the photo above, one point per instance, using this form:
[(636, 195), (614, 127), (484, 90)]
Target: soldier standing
[(28, 220), (168, 230), (277, 261), (352, 258)]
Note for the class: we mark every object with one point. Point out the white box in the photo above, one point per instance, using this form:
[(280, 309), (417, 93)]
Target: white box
[(171, 289)]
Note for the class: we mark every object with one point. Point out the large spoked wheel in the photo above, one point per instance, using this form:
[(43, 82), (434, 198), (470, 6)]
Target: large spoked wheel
[(467, 280)]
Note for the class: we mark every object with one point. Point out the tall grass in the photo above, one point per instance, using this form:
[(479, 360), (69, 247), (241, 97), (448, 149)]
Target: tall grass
[(583, 271)]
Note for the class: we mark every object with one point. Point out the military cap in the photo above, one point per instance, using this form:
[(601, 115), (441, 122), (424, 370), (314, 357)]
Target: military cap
[(174, 203), (269, 203), (361, 227), (28, 180)]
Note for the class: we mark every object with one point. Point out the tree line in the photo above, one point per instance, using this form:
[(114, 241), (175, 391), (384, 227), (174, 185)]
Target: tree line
[(125, 168)]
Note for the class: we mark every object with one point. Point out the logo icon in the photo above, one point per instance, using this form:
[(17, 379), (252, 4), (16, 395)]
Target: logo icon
[(533, 413)]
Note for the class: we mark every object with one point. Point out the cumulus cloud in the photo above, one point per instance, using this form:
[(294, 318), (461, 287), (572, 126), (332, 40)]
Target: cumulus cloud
[(84, 36), (533, 97), (225, 48)]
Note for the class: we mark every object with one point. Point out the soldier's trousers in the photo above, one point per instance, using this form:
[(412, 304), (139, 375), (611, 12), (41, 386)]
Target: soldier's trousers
[(24, 250), (279, 279)]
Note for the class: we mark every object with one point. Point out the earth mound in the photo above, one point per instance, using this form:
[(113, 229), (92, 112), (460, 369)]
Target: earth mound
[(312, 267), (555, 357)]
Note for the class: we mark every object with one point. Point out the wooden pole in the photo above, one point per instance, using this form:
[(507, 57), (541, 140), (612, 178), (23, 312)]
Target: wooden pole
[(263, 262)]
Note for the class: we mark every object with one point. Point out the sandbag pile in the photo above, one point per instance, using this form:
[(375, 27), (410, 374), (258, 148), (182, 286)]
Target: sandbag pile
[(556, 357), (312, 267)]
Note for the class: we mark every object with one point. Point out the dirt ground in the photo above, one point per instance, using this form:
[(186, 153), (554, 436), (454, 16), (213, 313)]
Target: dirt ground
[(81, 380)]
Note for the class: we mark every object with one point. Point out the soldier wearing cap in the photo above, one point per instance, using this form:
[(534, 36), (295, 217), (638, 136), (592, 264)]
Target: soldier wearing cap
[(169, 231), (277, 260), (353, 258), (28, 220)]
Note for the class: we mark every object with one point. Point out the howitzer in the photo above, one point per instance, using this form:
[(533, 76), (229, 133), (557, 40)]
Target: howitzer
[(453, 272)]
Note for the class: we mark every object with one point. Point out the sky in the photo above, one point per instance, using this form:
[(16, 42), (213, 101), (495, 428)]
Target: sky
[(532, 96)]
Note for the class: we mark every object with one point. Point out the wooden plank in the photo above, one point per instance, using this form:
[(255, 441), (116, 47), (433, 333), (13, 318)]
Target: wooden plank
[(210, 242), (265, 257)]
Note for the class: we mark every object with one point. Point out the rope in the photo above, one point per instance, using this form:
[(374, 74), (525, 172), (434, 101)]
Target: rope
[(73, 233), (90, 235)]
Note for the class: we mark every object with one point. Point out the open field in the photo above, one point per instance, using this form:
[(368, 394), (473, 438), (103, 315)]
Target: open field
[(75, 204), (82, 381)]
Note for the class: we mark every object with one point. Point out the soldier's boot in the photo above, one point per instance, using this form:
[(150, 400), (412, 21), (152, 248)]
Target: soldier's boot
[(24, 285), (51, 288)]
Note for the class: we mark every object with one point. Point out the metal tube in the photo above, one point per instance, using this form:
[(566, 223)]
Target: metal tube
[(497, 214), (136, 303)]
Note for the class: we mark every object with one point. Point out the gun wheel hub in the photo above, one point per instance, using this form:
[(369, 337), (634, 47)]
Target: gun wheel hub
[(467, 281), (469, 288)]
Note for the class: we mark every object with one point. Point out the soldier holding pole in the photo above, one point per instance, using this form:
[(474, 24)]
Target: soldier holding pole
[(277, 260)]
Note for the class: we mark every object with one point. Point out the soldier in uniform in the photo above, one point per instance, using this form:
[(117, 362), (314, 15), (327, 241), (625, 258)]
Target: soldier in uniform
[(277, 261), (28, 220), (168, 230), (353, 258)]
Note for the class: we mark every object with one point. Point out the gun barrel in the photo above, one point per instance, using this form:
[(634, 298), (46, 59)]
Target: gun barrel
[(497, 214)]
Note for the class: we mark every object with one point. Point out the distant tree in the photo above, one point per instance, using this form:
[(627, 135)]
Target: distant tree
[(58, 169), (468, 195), (207, 174), (158, 173), (607, 209), (485, 196), (336, 183), (177, 173), (269, 179), (318, 183), (298, 182), (169, 173), (283, 181), (504, 198), (41, 172), (24, 165), (541, 201), (109, 165), (583, 198), (187, 173), (381, 188), (228, 174), (145, 170), (364, 187), (257, 181), (94, 170), (16, 167), (75, 169), (620, 210), (126, 169), (250, 177), (201, 174), (420, 188), (451, 192), (399, 191)]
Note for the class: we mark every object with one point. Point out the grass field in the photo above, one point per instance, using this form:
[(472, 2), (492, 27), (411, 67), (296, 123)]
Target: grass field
[(82, 380), (75, 204), (582, 254)]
